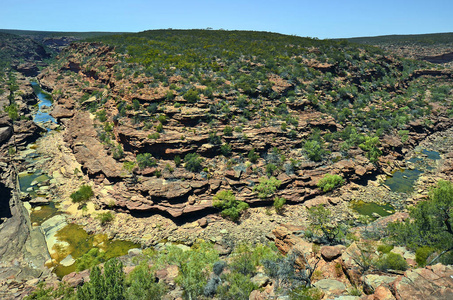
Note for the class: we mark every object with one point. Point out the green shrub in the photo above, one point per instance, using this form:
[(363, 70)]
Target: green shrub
[(237, 286), (422, 254), (136, 105), (105, 217), (267, 187), (194, 267), (371, 147), (118, 152), (253, 156), (193, 162), (142, 284), (154, 135), (12, 111), (329, 182), (44, 292), (324, 227), (145, 160), (278, 204), (231, 208), (84, 193), (315, 150), (107, 285), (169, 95), (430, 222), (283, 126), (102, 115), (162, 118), (270, 169), (128, 166), (228, 130), (225, 149), (385, 248), (177, 160), (305, 293), (160, 127), (214, 138), (191, 96), (391, 261)]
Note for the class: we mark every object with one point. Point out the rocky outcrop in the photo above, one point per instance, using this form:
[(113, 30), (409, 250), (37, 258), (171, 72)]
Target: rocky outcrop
[(89, 152), (440, 59), (432, 282)]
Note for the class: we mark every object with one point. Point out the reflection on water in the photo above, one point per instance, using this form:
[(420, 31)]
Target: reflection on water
[(44, 102), (434, 155), (403, 180), (42, 213), (31, 182)]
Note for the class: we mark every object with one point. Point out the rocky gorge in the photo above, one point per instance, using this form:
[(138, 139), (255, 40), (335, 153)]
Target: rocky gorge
[(166, 202)]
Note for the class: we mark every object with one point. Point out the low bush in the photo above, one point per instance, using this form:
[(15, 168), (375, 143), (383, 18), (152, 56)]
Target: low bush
[(391, 261), (231, 208), (267, 187), (228, 130), (314, 150), (105, 217), (253, 156), (107, 285), (278, 204), (422, 254), (145, 160), (193, 162), (225, 149), (84, 193), (329, 182), (93, 258)]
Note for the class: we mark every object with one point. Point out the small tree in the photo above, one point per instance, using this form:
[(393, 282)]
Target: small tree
[(324, 227), (107, 285), (430, 223)]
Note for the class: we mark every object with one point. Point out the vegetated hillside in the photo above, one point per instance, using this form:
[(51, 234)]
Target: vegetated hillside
[(436, 48), (55, 40), (419, 39), (20, 53), (184, 114)]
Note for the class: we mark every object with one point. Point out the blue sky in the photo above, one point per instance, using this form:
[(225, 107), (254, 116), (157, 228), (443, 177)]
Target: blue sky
[(314, 18)]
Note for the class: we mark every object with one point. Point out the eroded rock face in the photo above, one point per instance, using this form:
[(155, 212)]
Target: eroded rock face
[(23, 250), (89, 152), (186, 129)]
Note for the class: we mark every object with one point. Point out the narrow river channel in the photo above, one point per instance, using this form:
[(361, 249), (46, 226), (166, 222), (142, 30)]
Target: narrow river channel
[(67, 243)]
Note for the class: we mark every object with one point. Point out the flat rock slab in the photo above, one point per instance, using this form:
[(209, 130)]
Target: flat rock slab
[(330, 285)]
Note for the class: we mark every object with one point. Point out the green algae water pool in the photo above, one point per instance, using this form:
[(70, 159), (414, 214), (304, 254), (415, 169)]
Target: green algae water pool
[(75, 242), (372, 208)]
